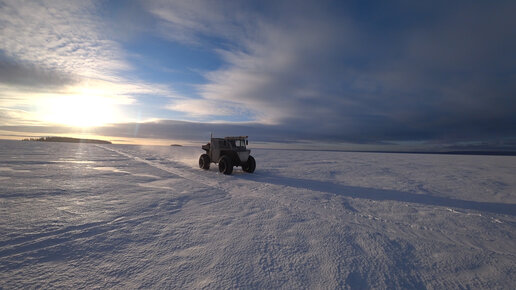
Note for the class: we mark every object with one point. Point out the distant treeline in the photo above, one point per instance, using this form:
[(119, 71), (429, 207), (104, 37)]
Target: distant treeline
[(66, 139)]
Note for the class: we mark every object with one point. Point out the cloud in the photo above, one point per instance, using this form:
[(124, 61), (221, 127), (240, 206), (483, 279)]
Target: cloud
[(58, 35), (340, 72), (13, 117), (200, 108), (64, 49), (326, 71), (189, 21), (29, 75)]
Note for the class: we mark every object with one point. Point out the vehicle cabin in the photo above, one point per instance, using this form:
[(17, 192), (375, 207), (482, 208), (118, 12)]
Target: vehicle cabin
[(231, 151)]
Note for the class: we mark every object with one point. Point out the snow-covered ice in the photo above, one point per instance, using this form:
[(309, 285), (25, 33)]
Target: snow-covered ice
[(85, 215)]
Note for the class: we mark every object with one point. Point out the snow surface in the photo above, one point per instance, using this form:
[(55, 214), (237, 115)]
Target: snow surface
[(85, 215)]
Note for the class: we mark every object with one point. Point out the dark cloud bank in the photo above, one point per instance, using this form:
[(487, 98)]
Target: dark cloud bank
[(436, 72), (267, 135)]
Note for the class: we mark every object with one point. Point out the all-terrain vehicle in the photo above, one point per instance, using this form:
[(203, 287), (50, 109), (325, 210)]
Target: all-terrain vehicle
[(228, 152)]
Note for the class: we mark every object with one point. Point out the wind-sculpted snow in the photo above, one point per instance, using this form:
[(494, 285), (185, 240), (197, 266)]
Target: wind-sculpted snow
[(85, 215)]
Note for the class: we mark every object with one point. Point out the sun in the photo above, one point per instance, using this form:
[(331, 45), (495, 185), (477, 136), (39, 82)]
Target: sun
[(78, 110)]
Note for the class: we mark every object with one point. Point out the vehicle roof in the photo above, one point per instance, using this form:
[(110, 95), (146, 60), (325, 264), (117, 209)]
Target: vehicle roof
[(233, 138)]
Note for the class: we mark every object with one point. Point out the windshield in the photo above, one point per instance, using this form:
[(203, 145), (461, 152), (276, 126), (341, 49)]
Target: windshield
[(240, 143)]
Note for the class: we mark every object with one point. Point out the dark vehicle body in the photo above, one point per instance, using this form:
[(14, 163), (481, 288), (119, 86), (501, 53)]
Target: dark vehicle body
[(228, 152)]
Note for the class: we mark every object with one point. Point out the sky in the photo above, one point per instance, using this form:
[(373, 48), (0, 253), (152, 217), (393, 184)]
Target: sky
[(358, 75)]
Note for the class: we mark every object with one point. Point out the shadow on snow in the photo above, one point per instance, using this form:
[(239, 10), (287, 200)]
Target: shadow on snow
[(381, 194)]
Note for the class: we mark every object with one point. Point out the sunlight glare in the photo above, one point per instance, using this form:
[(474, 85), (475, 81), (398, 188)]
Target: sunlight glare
[(79, 110)]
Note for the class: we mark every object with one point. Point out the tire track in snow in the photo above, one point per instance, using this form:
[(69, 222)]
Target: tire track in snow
[(186, 175), (198, 179), (235, 187), (239, 187), (272, 194), (263, 190)]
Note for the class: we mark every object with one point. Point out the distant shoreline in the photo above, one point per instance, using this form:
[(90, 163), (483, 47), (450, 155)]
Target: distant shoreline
[(67, 140)]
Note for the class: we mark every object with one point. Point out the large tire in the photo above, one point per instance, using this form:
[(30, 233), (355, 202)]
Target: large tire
[(250, 165), (204, 162), (225, 165)]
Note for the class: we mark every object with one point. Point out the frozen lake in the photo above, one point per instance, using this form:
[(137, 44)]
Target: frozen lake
[(85, 215)]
